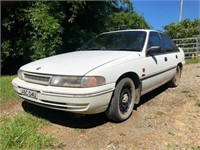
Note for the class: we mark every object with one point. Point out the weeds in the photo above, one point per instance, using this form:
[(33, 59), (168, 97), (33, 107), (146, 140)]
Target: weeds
[(80, 130), (21, 132), (196, 148), (171, 147), (6, 88), (192, 61), (189, 93), (198, 103)]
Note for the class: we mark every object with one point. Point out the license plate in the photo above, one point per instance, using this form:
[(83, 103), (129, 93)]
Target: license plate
[(29, 93)]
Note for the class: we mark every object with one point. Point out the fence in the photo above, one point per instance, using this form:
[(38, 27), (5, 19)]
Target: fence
[(191, 46)]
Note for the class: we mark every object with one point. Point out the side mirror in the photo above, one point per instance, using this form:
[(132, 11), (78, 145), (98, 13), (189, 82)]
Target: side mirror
[(153, 50)]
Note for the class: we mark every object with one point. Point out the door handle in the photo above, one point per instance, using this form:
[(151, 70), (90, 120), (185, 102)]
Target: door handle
[(165, 58)]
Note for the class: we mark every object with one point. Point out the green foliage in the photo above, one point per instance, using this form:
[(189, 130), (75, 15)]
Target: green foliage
[(192, 61), (123, 20), (36, 29), (123, 5), (7, 92), (47, 29), (89, 21), (30, 31), (198, 103), (184, 29), (75, 7), (14, 35), (21, 132), (85, 24)]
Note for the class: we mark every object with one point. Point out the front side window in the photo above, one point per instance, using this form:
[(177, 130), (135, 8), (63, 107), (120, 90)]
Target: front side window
[(154, 40), (127, 40)]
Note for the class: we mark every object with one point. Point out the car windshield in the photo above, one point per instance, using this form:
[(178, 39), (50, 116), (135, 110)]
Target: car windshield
[(126, 40)]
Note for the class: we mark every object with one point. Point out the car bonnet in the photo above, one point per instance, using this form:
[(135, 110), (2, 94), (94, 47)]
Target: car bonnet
[(74, 63)]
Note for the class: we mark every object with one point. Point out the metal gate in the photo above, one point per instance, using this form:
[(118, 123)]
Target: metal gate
[(191, 46)]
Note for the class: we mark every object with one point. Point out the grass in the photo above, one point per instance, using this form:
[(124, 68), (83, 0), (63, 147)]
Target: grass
[(7, 91), (192, 61), (175, 147), (189, 93), (198, 103), (21, 132), (195, 148)]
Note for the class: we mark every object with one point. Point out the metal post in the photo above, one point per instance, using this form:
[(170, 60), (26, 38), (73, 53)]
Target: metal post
[(181, 10)]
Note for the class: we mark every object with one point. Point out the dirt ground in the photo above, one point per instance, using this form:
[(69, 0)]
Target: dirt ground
[(166, 118)]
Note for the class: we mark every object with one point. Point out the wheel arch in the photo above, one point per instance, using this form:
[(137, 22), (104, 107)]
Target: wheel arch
[(136, 80), (181, 66)]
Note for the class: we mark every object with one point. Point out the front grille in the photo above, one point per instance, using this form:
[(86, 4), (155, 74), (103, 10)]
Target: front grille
[(37, 78)]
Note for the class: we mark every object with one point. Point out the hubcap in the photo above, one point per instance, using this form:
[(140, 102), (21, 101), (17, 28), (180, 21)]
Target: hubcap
[(125, 99)]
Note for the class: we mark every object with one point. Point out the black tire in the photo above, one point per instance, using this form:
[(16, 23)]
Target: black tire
[(176, 78), (122, 102)]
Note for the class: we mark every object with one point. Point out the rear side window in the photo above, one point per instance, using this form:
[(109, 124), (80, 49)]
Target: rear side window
[(169, 46)]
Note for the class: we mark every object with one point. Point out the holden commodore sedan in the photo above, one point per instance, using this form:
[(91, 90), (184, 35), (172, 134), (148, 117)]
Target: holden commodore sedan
[(107, 74)]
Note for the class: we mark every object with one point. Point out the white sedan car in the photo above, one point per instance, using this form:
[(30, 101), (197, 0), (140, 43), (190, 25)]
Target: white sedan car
[(107, 74)]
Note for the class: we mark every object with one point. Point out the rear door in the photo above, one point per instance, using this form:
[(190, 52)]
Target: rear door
[(171, 54), (170, 49)]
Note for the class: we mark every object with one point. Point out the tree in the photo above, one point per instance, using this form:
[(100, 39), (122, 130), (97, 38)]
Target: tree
[(36, 29), (14, 43), (45, 36), (123, 20), (99, 16), (184, 29), (86, 24), (30, 30)]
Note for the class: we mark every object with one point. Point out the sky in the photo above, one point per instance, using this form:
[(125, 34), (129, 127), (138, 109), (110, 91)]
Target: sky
[(159, 13)]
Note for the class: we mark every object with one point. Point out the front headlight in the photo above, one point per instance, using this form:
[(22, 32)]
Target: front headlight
[(20, 74), (93, 81), (66, 81), (77, 81)]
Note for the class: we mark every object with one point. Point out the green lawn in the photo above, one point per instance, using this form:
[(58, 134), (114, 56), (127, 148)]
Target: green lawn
[(22, 132), (192, 61), (7, 92)]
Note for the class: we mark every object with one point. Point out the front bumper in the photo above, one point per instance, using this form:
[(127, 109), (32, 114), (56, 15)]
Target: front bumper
[(78, 100)]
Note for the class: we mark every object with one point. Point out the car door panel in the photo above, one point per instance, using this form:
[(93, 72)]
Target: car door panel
[(157, 72), (156, 66)]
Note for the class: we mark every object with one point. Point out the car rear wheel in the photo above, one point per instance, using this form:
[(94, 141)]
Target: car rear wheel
[(121, 105), (176, 79)]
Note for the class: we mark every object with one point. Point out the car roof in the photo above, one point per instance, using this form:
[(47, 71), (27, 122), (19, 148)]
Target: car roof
[(145, 30)]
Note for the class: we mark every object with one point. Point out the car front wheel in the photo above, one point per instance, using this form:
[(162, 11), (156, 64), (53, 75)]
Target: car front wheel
[(121, 105)]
